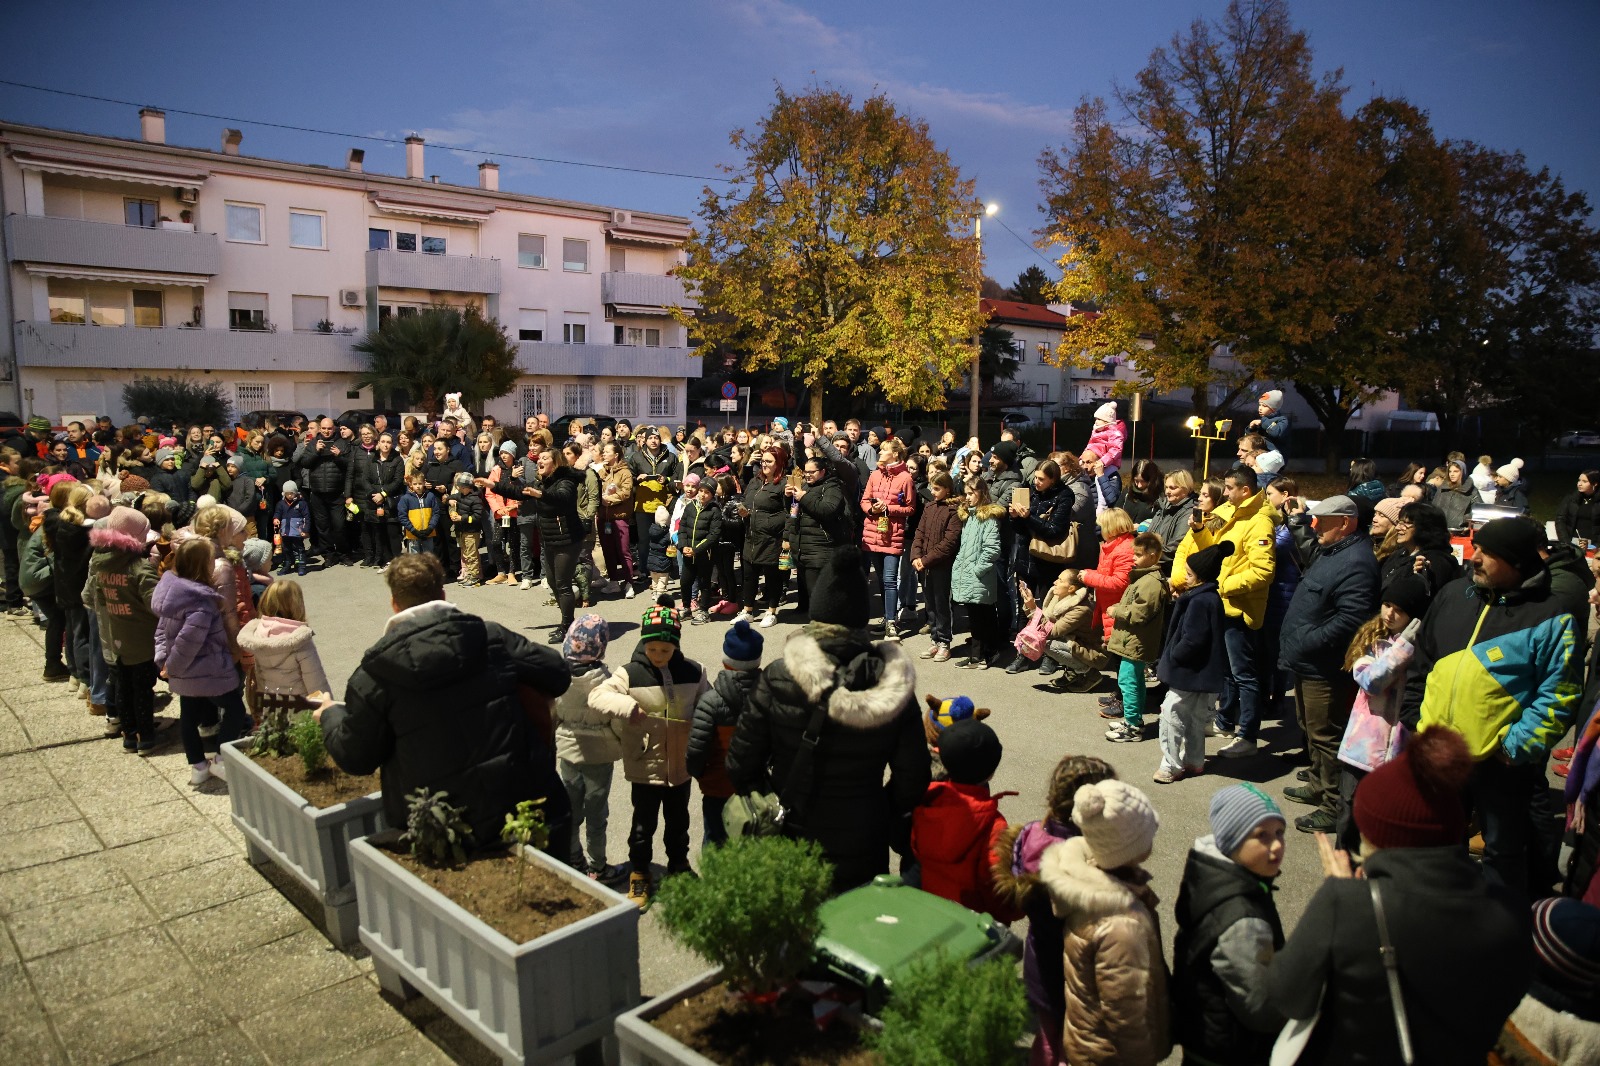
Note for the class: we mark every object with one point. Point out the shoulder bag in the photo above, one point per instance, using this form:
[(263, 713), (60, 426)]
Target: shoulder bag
[(1062, 552), (764, 814)]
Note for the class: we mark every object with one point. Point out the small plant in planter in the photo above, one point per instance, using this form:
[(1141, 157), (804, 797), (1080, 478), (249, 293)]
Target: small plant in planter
[(524, 829), (436, 832), (274, 737), (945, 1012), (306, 734)]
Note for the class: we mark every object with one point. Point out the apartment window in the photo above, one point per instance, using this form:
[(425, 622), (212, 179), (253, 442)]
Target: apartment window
[(577, 399), (108, 308), (663, 401), (1044, 353), (308, 312), (249, 397), (574, 255), (385, 312), (141, 212), (574, 333), (147, 307), (619, 260), (244, 224), (405, 242), (432, 245), (247, 310), (530, 325), (405, 311), (306, 229), (530, 250), (652, 338), (623, 401), (1044, 394), (377, 240), (535, 400), (67, 308)]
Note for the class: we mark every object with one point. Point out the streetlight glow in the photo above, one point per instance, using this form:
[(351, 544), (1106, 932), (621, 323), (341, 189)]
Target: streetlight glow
[(991, 208)]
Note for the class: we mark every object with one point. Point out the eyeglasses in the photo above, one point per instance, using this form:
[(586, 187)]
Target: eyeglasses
[(1404, 522)]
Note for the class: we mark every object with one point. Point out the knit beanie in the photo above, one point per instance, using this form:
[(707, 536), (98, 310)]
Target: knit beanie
[(134, 483), (1235, 813), (290, 487), (167, 442), (129, 522), (1269, 461), (165, 453), (1566, 947), (1414, 800), (970, 751), (585, 642), (1106, 412), (1117, 821), (1272, 400), (1006, 452), (1409, 592), (235, 462), (508, 447), (1511, 471), (1207, 562), (661, 622), (841, 595), (1516, 540), (1389, 508), (691, 482), (742, 647), (96, 507), (39, 424)]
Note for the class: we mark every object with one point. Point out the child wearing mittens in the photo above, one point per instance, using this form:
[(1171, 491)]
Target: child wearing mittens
[(588, 745)]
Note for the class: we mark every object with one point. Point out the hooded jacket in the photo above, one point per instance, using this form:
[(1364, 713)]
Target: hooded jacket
[(1457, 501), (584, 736), (1137, 621), (652, 478), (821, 525), (938, 535), (769, 511), (1018, 855), (371, 473), (191, 642), (326, 468), (121, 580), (872, 724), (1170, 522), (1194, 657), (1246, 578), (286, 656), (974, 577), (435, 704), (1115, 976), (655, 748), (898, 491), (69, 544), (1109, 578), (953, 836), (293, 516), (715, 718)]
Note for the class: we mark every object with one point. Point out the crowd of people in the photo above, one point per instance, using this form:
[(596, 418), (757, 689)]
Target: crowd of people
[(1432, 692)]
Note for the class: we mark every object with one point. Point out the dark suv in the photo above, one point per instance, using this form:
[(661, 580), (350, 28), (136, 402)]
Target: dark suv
[(561, 428)]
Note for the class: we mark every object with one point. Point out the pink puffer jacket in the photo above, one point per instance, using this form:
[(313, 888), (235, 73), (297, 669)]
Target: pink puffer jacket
[(898, 492)]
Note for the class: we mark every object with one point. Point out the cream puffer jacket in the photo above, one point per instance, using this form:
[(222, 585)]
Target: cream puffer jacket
[(583, 735), (1116, 977), (286, 656)]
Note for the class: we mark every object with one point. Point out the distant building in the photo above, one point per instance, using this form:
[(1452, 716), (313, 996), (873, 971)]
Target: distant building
[(133, 257)]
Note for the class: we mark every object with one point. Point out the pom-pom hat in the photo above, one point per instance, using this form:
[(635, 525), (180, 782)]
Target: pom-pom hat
[(742, 646), (1118, 823), (1106, 412)]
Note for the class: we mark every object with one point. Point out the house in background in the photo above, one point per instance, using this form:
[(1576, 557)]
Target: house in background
[(130, 257)]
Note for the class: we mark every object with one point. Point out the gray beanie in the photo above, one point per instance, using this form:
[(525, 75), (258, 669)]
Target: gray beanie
[(1235, 813), (508, 446), (289, 486)]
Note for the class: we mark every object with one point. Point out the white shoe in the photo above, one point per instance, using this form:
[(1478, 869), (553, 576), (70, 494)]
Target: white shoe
[(73, 685), (1238, 748), (768, 620), (742, 616), (199, 773), (628, 592), (218, 769), (525, 584)]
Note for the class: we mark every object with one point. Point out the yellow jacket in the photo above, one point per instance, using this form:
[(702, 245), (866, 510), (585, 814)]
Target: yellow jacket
[(1247, 573)]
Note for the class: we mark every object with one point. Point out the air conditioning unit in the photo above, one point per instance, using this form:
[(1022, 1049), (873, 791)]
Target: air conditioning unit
[(620, 218), (349, 297), (187, 195)]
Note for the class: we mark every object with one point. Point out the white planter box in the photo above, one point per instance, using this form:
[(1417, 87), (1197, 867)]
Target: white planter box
[(311, 843), (642, 1044), (531, 1002)]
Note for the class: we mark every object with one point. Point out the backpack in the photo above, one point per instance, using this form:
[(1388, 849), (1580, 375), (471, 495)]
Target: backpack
[(1033, 637)]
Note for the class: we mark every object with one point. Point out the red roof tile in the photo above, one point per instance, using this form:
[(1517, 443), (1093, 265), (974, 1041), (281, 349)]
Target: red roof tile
[(1023, 314)]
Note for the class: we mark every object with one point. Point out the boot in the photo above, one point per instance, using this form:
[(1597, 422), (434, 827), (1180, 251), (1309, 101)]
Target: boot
[(640, 889), (1112, 711)]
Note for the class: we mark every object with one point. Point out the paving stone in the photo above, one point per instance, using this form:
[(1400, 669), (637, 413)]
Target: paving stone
[(57, 926), (412, 1049), (130, 826), (226, 1046), (81, 975), (236, 926), (8, 952), (25, 1036), (83, 876), (22, 696), (163, 855), (24, 777), (262, 978), (119, 792), (350, 1017), (200, 887), (47, 844), (74, 729), (13, 738), (457, 1044), (137, 1021), (37, 812)]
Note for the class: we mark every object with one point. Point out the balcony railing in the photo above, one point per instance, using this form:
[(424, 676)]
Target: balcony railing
[(444, 273), (56, 344), (644, 290), (110, 245), (606, 360)]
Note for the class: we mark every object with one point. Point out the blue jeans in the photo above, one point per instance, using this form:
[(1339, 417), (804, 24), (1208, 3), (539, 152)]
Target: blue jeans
[(420, 546), (90, 666), (888, 567), (1240, 712)]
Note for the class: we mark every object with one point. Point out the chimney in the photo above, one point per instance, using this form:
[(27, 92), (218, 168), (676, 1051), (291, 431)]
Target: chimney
[(414, 157), (230, 142), (489, 176), (434, 178), (355, 160), (152, 125)]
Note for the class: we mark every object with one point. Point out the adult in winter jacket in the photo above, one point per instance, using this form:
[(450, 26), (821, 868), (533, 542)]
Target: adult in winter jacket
[(551, 495), (377, 481), (766, 512), (1048, 517), (1578, 517), (652, 469), (325, 460), (933, 553), (168, 478), (819, 525), (1421, 534), (976, 574), (1169, 517), (1457, 496), (870, 723), (888, 504), (437, 703)]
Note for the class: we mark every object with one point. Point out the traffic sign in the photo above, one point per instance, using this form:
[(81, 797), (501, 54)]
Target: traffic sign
[(730, 405), (730, 391)]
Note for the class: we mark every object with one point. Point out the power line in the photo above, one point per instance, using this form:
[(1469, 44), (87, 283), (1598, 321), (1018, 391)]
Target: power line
[(362, 136), (1027, 244)]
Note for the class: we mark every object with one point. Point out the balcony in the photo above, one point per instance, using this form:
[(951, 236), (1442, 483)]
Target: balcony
[(442, 273), (606, 360), (644, 293), (39, 239), (54, 344)]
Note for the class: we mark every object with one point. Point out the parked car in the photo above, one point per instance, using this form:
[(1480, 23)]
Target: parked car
[(561, 428), (356, 417), (1579, 438), (253, 419), (1016, 422)]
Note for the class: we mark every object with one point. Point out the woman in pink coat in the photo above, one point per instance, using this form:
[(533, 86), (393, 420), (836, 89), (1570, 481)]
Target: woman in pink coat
[(889, 502)]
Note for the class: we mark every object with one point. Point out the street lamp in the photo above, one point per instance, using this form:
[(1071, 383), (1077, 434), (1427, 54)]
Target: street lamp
[(977, 342), (1196, 426)]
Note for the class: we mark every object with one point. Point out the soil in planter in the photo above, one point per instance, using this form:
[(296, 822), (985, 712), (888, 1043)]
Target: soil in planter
[(328, 787), (730, 1031), (487, 888)]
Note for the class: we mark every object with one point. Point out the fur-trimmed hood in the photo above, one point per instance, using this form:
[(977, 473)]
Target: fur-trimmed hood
[(267, 632), (1081, 892), (874, 681), (111, 540)]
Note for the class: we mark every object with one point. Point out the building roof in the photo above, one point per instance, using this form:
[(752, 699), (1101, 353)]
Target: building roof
[(1022, 314)]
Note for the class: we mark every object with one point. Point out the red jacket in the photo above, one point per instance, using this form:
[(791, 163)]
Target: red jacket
[(1109, 578), (953, 834), (899, 495)]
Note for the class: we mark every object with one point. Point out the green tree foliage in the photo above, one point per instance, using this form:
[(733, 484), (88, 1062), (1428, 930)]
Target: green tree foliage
[(843, 249), (177, 399), (440, 350), (1033, 286), (945, 1012)]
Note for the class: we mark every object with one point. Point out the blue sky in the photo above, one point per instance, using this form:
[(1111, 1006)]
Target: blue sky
[(659, 85)]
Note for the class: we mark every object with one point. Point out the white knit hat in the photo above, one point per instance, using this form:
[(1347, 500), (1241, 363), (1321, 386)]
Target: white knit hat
[(1269, 461), (1118, 823), (1511, 471), (1106, 412)]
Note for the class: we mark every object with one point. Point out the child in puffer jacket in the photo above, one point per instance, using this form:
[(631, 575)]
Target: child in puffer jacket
[(657, 560), (715, 718), (588, 745), (1074, 638), (192, 652), (1108, 436), (1018, 853), (121, 580), (287, 663), (954, 830)]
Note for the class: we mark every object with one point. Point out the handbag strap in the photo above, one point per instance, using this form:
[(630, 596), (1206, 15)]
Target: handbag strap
[(1391, 966), (799, 781)]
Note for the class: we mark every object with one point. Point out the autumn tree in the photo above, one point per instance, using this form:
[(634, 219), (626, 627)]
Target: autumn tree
[(841, 249), (1033, 286), (439, 350)]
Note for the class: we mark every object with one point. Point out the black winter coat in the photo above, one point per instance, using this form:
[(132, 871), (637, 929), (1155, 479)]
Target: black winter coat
[(769, 511), (434, 704), (70, 563), (700, 527), (174, 483), (1194, 657), (441, 477), (823, 525), (371, 473), (326, 468), (1579, 516), (1336, 596), (715, 718), (1442, 567), (873, 723), (557, 507), (1464, 947)]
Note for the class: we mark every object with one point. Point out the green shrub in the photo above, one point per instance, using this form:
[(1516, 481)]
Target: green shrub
[(436, 832), (177, 399), (306, 735), (526, 827), (753, 910), (945, 1012), (276, 735)]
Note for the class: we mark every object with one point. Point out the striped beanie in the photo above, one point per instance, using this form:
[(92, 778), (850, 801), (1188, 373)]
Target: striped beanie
[(1566, 946), (1235, 813), (661, 622)]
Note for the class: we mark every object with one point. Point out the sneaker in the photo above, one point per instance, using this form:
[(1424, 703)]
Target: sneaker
[(301, 570), (1561, 769), (532, 581), (1215, 730), (627, 592), (1303, 794), (56, 673), (742, 616), (1166, 775), (941, 654), (699, 618), (557, 635), (608, 874), (928, 654), (610, 588), (768, 620), (725, 607), (130, 743), (17, 612), (219, 769), (640, 890), (1078, 681), (1114, 698), (1112, 711), (498, 579), (1302, 775), (676, 868), (148, 745), (113, 726), (74, 686), (1019, 664), (1318, 821), (1048, 666), (1563, 754), (1237, 748), (973, 662), (525, 584), (199, 773), (1123, 733)]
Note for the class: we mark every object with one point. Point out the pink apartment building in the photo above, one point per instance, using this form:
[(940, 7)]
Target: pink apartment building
[(130, 257)]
